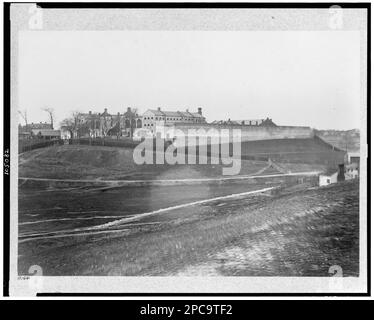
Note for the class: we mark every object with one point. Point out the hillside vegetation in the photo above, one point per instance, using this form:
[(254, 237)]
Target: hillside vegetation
[(311, 151), (100, 162), (345, 140), (97, 162)]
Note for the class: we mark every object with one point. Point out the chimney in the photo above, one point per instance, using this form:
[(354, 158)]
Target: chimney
[(105, 110), (199, 111), (128, 109), (159, 109), (341, 176), (89, 112), (186, 110)]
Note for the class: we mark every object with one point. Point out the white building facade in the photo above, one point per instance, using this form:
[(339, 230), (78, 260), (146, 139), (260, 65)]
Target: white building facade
[(161, 118), (326, 179)]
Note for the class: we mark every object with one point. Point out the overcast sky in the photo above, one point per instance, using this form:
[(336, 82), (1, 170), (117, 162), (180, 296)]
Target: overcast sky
[(295, 78)]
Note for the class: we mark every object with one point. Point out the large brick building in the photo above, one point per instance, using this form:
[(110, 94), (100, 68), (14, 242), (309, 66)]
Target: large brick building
[(105, 124), (37, 130)]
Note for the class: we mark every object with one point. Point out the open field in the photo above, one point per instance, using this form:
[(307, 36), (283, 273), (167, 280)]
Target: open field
[(302, 232), (88, 221), (46, 210)]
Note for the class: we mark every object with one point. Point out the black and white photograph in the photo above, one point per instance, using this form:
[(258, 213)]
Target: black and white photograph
[(207, 149)]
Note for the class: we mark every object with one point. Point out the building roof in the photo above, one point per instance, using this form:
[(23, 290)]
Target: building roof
[(175, 113), (46, 132), (30, 126), (172, 113), (130, 113), (64, 128), (186, 114), (156, 112), (197, 115), (89, 116), (329, 172)]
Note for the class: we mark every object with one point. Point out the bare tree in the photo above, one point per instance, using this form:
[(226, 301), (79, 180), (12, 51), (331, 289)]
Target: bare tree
[(23, 115), (105, 126), (50, 112), (132, 118), (71, 124)]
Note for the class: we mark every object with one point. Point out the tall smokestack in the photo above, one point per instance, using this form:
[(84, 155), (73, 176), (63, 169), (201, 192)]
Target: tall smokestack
[(341, 176), (200, 111)]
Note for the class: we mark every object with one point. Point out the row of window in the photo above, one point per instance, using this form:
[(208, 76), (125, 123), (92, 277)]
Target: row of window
[(162, 118), (97, 123), (171, 119)]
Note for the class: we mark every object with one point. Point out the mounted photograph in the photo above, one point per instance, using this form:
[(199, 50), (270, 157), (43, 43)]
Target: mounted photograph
[(206, 150)]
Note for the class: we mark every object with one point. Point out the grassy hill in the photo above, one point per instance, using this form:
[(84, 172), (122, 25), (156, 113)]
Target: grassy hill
[(311, 151), (345, 140), (101, 162), (98, 162)]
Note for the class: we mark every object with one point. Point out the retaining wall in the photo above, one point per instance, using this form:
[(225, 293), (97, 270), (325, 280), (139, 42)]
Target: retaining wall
[(253, 133)]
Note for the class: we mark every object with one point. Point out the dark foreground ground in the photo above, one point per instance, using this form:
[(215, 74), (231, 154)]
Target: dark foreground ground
[(299, 232)]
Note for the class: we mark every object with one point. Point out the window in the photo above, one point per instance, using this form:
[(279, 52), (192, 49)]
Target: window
[(328, 180)]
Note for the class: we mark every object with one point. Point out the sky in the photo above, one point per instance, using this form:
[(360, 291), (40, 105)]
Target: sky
[(306, 78)]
